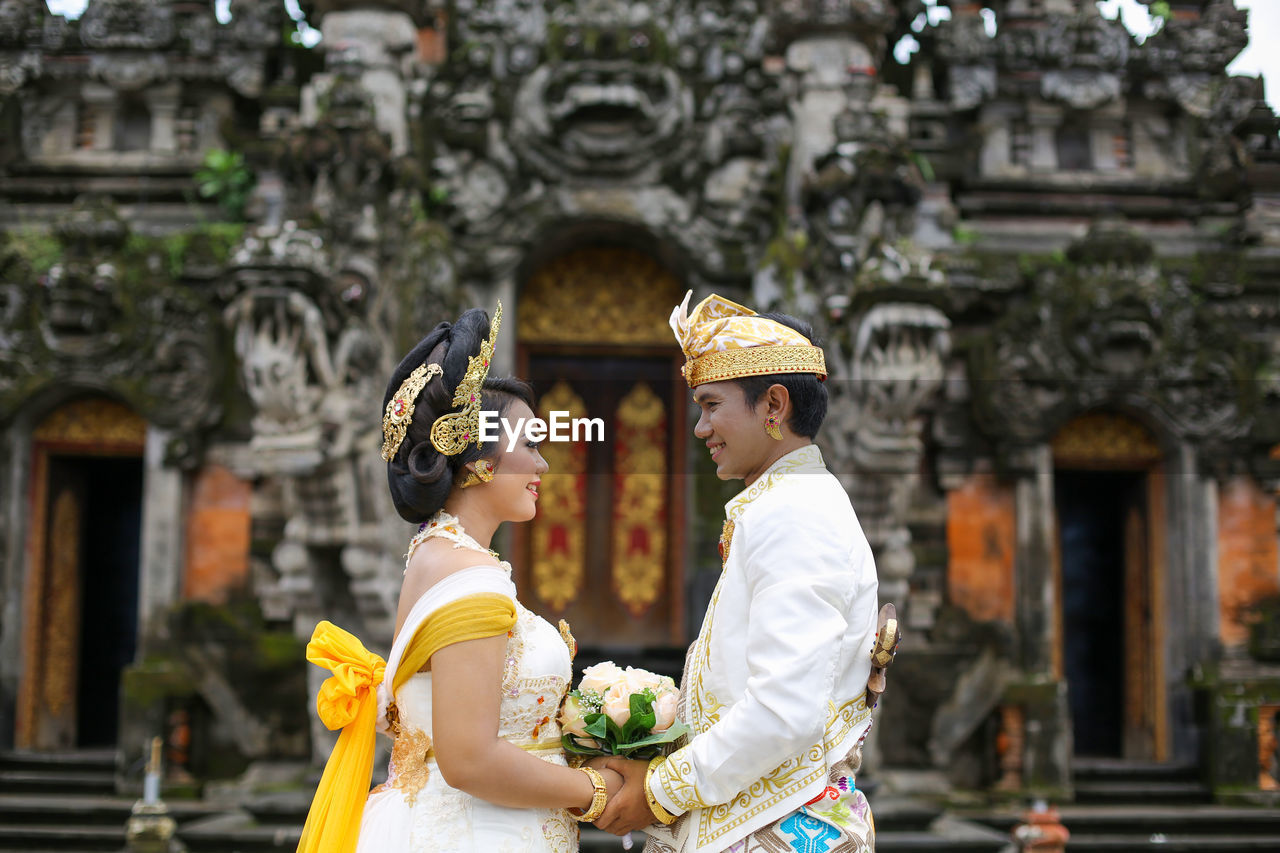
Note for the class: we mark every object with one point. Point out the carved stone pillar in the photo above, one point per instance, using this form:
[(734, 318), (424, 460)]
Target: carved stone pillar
[(1044, 121), (822, 68), (898, 365), (162, 101), (1035, 596), (997, 139), (100, 105), (377, 41), (162, 539)]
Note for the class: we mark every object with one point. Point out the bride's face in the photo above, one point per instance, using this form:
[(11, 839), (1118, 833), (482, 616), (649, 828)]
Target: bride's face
[(513, 492)]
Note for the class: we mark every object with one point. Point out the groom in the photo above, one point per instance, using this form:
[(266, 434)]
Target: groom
[(775, 685)]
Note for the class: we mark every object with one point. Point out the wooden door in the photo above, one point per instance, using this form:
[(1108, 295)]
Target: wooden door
[(601, 552), (604, 550)]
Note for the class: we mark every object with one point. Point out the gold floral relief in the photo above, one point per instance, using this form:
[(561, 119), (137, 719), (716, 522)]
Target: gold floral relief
[(409, 770), (1268, 741), (639, 505), (575, 299), (1098, 438), (93, 420), (558, 561), (62, 613)]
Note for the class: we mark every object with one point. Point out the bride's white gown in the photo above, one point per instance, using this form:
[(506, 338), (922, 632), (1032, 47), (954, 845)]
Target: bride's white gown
[(415, 810)]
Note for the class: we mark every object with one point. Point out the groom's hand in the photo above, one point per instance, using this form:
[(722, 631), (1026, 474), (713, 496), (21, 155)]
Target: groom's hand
[(628, 809)]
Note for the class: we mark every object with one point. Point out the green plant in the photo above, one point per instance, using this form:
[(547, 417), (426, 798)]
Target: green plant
[(225, 178)]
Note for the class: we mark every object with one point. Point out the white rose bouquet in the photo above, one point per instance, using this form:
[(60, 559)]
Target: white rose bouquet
[(629, 712)]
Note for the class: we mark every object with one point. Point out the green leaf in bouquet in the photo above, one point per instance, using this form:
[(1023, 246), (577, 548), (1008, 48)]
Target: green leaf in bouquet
[(572, 746), (597, 725), (614, 735), (677, 731), (642, 718)]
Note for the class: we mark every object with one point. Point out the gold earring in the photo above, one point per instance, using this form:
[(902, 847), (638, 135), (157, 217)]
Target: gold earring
[(771, 427), (482, 474)]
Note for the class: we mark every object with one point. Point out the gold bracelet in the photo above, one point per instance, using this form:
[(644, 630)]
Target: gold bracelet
[(598, 799), (664, 817)]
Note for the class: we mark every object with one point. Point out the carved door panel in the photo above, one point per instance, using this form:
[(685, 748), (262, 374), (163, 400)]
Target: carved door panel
[(1139, 722), (602, 551), (58, 629)]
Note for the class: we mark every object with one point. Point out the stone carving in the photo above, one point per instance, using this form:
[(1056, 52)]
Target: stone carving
[(85, 322), (135, 24), (1206, 44), (131, 46), (16, 68), (1076, 58), (887, 358), (1080, 88), (128, 73), (312, 363), (827, 16), (879, 396), (658, 113), (1110, 328)]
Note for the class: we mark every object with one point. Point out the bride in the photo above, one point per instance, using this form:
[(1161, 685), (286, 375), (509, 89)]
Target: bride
[(473, 682)]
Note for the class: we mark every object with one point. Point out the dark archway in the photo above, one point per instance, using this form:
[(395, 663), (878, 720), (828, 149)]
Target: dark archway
[(80, 605)]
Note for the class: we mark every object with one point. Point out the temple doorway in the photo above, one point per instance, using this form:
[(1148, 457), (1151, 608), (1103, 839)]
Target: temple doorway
[(603, 552), (82, 584), (1108, 494)]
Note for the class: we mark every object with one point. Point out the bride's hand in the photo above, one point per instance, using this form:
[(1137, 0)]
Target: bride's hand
[(612, 781)]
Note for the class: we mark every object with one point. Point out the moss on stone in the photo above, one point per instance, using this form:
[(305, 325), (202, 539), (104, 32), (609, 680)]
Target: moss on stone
[(37, 247)]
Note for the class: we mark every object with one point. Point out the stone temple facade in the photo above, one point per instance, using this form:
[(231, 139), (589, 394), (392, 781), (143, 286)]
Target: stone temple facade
[(1044, 259)]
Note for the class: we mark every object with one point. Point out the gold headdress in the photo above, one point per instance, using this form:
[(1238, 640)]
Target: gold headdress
[(395, 420), (723, 340), (451, 433)]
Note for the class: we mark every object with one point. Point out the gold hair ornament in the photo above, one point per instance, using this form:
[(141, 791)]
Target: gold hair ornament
[(451, 433), (395, 420)]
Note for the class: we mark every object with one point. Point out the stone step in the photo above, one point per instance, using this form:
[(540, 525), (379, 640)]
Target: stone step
[(87, 810), (900, 814), (219, 836), (1132, 820), (1121, 770), (57, 782), (929, 842), (1166, 843), (248, 834), (1141, 792), (109, 839), (99, 760)]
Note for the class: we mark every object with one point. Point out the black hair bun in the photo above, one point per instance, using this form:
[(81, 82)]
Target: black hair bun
[(419, 476)]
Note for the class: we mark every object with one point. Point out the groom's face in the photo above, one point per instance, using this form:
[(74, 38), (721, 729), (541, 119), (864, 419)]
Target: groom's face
[(733, 431)]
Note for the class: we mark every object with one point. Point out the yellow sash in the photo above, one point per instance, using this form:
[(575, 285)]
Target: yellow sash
[(348, 700)]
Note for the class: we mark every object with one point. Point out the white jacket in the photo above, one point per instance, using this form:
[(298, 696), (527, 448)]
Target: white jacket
[(774, 685)]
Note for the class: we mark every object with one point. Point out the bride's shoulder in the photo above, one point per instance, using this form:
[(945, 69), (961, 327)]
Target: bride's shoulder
[(435, 560)]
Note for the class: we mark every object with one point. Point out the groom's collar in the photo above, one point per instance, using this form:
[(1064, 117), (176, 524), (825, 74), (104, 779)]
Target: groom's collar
[(802, 460)]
